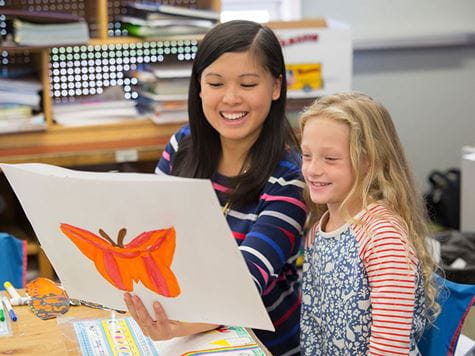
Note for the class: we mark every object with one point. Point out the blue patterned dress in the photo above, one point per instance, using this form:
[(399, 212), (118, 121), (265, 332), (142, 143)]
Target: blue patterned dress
[(362, 292)]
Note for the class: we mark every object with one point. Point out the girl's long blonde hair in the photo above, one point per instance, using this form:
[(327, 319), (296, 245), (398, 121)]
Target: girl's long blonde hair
[(386, 177)]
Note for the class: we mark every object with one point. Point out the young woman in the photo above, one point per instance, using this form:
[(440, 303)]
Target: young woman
[(367, 275), (238, 136)]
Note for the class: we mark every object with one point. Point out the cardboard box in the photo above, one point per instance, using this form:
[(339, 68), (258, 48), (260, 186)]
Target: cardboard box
[(318, 56)]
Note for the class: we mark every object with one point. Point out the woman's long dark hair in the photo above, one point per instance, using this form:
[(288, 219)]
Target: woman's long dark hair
[(199, 154)]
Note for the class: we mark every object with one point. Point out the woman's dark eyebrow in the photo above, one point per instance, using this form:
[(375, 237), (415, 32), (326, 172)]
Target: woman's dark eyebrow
[(249, 74), (241, 75), (214, 74)]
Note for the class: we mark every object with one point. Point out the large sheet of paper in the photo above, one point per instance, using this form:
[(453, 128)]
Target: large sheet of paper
[(163, 238)]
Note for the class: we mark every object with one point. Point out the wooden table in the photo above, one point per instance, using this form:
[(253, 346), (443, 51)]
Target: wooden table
[(33, 336)]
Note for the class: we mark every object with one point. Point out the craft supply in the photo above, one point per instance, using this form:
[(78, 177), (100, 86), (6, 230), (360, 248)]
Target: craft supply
[(108, 337), (43, 286), (15, 298), (11, 290), (21, 301), (49, 307), (47, 300), (10, 310), (221, 341), (4, 325)]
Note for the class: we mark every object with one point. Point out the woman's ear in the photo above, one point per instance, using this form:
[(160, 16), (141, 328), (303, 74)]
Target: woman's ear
[(276, 88)]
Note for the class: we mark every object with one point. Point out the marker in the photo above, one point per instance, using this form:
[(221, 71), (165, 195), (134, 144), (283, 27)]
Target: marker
[(15, 299), (21, 301), (12, 291), (9, 308), (2, 316)]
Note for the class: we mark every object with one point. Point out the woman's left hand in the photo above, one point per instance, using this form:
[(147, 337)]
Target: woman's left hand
[(162, 328)]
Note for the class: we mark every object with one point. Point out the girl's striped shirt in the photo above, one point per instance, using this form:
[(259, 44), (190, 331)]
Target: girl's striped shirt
[(268, 233), (362, 291)]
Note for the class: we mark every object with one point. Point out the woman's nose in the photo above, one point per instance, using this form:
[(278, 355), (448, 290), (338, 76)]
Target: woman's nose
[(231, 96)]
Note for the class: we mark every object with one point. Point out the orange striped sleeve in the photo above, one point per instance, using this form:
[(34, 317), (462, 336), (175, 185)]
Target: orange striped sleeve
[(391, 267)]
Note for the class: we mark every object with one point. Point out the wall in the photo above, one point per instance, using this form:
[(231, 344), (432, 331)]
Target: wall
[(429, 89)]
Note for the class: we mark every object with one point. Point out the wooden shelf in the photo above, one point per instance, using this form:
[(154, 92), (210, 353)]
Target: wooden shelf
[(87, 145)]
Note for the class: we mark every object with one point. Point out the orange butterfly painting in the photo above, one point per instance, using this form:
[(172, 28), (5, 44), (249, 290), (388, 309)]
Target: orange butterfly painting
[(147, 258)]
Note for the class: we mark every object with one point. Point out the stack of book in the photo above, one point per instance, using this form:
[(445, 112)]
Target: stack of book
[(45, 28), (163, 91), (151, 20), (105, 108), (19, 105)]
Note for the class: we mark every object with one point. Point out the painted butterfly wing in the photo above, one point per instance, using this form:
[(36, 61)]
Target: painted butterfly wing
[(49, 306), (43, 286), (47, 299), (147, 258), (152, 267)]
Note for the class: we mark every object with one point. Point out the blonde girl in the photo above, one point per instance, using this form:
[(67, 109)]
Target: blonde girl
[(367, 285)]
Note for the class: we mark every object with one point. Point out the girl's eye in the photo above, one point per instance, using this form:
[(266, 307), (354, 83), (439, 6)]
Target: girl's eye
[(306, 156), (248, 85), (331, 159), (215, 85)]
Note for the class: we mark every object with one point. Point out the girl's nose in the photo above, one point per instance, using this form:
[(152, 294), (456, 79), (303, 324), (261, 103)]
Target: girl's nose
[(315, 168)]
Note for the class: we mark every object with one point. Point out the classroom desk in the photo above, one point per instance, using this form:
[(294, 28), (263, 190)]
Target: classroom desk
[(33, 336)]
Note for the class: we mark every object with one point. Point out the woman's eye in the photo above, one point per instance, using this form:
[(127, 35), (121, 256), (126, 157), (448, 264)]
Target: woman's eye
[(331, 158), (215, 84), (249, 85)]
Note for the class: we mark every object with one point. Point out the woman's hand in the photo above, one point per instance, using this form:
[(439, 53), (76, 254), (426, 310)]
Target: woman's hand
[(162, 328)]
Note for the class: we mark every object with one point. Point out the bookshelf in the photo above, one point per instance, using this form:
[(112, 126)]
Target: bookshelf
[(131, 140), (87, 145)]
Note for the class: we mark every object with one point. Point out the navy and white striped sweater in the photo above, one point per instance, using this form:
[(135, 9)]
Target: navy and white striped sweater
[(269, 234)]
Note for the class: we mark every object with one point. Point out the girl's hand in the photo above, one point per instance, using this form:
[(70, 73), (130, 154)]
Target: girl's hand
[(162, 328)]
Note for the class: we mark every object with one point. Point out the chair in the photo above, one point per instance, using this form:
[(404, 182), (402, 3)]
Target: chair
[(455, 300), (13, 260)]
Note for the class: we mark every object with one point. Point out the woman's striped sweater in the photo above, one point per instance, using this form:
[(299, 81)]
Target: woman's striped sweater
[(268, 233)]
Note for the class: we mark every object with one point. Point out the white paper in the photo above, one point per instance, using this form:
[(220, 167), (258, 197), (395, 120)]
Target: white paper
[(215, 284)]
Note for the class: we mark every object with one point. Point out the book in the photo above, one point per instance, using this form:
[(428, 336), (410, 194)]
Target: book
[(165, 97), (94, 112), (20, 91), (167, 22), (171, 71), (162, 31), (20, 84), (24, 98), (107, 107), (151, 7), (33, 123), (40, 16), (47, 34), (14, 111)]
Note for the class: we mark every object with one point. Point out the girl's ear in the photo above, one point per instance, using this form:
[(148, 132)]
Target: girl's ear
[(365, 164), (276, 88)]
